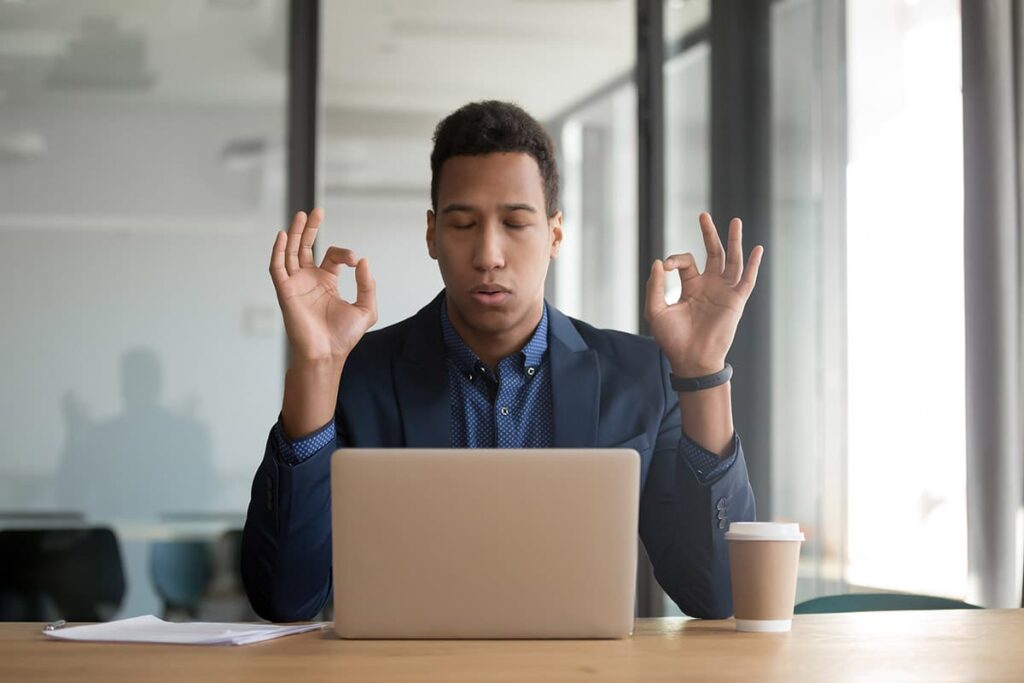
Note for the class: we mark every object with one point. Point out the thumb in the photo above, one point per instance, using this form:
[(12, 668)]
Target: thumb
[(366, 288), (655, 302)]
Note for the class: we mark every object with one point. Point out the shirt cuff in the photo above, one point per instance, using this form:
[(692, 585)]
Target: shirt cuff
[(299, 450), (707, 466)]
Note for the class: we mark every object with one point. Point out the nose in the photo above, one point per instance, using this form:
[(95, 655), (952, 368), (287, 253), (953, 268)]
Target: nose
[(488, 249)]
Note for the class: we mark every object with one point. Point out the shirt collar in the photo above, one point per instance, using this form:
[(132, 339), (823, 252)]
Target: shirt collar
[(532, 353)]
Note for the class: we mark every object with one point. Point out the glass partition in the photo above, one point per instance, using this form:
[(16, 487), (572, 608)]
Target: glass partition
[(391, 71), (141, 183)]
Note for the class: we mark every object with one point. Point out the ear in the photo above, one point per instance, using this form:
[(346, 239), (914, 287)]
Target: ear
[(431, 233), (555, 231)]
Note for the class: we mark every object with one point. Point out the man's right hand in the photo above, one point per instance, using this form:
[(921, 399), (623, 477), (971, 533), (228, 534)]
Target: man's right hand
[(322, 327)]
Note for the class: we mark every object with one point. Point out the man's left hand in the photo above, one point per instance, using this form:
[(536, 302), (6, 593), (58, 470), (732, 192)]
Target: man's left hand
[(696, 332)]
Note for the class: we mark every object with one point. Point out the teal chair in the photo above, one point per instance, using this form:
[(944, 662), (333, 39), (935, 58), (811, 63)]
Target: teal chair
[(877, 602), (181, 572)]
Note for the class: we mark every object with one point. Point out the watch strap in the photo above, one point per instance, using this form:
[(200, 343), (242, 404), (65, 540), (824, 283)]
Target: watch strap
[(687, 384)]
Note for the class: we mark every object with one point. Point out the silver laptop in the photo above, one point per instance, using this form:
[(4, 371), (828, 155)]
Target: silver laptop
[(482, 543)]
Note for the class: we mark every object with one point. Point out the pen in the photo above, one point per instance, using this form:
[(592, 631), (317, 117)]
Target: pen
[(54, 625)]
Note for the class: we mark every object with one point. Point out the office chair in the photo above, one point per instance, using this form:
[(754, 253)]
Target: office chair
[(74, 574), (877, 602), (181, 572)]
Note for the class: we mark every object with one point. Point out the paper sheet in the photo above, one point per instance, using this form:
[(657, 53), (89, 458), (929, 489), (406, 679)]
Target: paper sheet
[(150, 629)]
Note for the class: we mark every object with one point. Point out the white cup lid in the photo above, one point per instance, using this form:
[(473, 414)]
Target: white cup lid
[(763, 531)]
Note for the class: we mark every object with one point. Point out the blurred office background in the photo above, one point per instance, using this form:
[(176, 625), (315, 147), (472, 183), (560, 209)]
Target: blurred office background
[(150, 150)]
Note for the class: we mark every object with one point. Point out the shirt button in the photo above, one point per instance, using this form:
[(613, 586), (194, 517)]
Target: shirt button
[(470, 377), (530, 371), (504, 410)]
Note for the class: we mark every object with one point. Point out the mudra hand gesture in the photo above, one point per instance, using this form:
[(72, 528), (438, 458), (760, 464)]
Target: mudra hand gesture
[(696, 331), (321, 326)]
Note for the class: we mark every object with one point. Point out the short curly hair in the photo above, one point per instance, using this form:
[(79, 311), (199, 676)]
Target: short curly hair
[(489, 127)]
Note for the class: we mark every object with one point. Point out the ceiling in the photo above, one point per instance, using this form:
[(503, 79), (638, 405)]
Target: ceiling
[(396, 57), (390, 68), (432, 57)]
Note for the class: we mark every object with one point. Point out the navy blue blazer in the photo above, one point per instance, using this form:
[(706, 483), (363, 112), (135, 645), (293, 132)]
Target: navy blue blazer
[(610, 389)]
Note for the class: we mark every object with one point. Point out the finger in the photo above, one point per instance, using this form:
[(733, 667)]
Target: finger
[(335, 258), (716, 254), (366, 289), (686, 264), (309, 237), (291, 252), (734, 255), (655, 303), (278, 273), (749, 279)]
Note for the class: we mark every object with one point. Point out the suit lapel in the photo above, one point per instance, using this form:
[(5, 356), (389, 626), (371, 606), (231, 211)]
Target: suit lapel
[(421, 381), (575, 384)]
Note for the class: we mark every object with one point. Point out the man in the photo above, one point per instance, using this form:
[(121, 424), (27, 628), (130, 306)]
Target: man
[(488, 363)]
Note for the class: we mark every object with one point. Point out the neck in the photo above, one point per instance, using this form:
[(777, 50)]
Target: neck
[(491, 346)]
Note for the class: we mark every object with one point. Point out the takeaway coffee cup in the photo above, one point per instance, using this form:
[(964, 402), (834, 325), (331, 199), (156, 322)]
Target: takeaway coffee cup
[(763, 557)]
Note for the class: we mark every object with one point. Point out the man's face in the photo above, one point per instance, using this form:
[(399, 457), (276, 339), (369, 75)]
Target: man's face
[(493, 240)]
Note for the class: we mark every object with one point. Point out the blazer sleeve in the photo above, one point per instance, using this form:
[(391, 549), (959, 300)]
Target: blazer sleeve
[(683, 520), (286, 542)]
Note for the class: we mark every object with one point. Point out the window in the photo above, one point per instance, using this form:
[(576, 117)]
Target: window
[(907, 509)]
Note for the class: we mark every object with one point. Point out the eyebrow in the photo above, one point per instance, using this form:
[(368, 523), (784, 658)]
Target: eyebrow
[(457, 207), (519, 207), (451, 208)]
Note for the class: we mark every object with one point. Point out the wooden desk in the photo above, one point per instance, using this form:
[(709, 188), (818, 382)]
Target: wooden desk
[(968, 645)]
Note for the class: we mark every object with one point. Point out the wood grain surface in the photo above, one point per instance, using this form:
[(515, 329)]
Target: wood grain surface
[(954, 645)]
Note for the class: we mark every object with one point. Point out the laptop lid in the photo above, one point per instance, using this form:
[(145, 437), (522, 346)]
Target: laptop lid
[(484, 543)]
